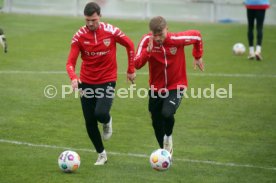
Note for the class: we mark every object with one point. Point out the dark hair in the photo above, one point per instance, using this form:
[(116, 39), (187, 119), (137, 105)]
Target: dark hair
[(1, 31), (157, 24), (91, 8)]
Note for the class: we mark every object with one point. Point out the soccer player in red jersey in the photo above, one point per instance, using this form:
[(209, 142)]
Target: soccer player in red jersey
[(164, 52), (96, 43)]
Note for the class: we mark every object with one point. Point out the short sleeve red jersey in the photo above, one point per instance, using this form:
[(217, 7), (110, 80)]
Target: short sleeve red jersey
[(98, 53), (167, 64)]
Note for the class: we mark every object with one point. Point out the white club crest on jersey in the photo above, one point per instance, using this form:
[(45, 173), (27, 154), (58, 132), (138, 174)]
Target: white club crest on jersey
[(173, 50), (106, 42)]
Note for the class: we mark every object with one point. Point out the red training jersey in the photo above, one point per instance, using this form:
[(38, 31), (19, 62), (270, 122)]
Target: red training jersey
[(98, 53), (257, 4), (167, 64)]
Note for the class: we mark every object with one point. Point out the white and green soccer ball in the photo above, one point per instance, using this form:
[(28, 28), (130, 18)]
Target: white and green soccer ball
[(160, 160), (239, 49), (69, 161)]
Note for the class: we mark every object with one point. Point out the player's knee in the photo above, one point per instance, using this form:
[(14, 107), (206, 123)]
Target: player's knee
[(168, 112), (102, 116)]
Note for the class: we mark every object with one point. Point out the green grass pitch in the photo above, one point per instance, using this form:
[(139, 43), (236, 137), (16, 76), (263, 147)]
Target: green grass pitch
[(215, 140)]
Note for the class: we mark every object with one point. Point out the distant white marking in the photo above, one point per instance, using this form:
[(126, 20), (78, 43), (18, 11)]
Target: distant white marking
[(145, 73), (33, 72), (234, 75), (137, 155)]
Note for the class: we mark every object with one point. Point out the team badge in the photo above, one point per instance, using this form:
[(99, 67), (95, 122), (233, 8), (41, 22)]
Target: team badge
[(173, 50), (106, 42)]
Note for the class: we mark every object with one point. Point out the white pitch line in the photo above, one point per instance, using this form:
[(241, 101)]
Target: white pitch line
[(238, 75), (234, 75), (137, 155), (32, 72)]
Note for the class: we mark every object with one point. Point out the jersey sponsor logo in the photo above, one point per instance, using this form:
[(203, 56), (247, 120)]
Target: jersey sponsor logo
[(173, 50), (107, 42), (86, 42), (156, 51), (98, 53)]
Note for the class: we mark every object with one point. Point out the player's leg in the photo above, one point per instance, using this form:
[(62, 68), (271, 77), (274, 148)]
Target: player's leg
[(88, 103), (250, 32), (105, 96), (155, 107), (91, 123), (170, 105), (260, 16)]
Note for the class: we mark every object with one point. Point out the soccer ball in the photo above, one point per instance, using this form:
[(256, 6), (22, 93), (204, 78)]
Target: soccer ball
[(69, 161), (239, 49), (160, 160)]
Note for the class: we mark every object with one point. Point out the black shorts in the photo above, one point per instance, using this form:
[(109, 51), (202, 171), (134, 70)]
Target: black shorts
[(166, 103), (105, 90), (96, 101)]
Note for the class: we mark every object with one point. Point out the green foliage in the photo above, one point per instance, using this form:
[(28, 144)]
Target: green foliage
[(239, 130)]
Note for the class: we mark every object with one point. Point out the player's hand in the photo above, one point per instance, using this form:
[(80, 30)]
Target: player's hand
[(75, 83), (150, 44), (131, 77), (198, 63)]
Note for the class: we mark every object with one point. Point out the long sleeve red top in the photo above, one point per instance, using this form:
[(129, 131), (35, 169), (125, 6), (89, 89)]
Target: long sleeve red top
[(98, 53), (167, 64)]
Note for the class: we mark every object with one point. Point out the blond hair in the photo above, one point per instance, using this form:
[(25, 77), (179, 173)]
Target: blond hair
[(157, 24)]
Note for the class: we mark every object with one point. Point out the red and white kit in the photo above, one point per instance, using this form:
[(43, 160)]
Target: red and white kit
[(98, 52), (167, 64)]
